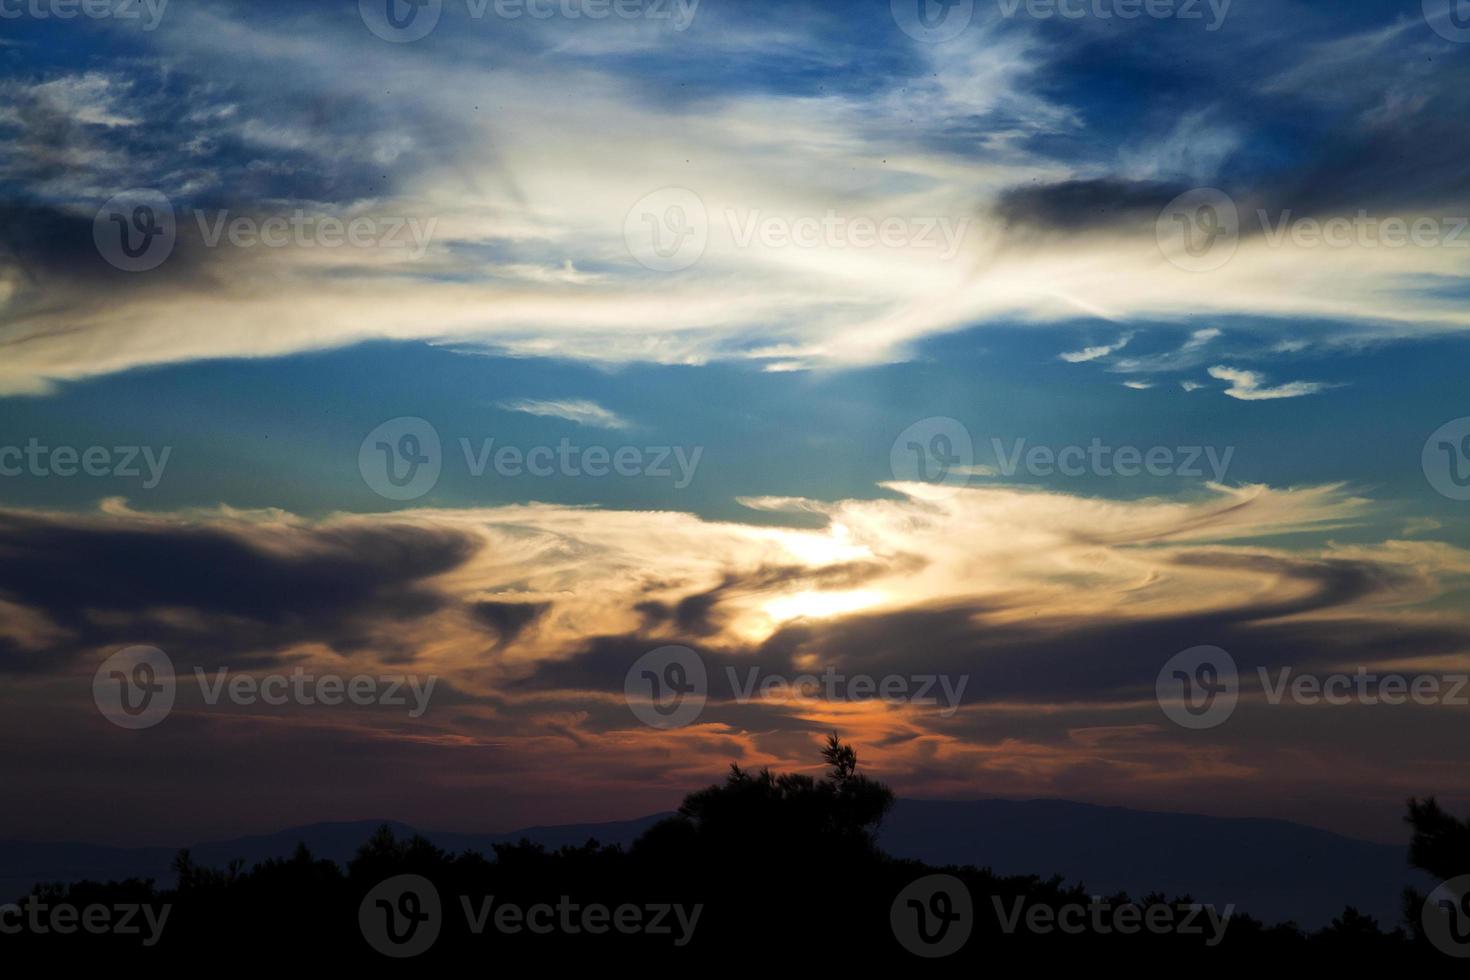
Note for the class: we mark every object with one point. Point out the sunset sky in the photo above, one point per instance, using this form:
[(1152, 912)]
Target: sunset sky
[(886, 235)]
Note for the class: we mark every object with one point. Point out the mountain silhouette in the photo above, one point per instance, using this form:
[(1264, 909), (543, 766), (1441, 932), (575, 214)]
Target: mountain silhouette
[(1274, 870)]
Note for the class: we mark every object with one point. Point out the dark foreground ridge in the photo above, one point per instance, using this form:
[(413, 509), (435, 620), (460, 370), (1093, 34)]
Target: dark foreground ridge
[(762, 869)]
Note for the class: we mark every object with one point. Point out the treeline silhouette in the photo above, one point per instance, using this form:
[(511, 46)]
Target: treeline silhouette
[(783, 870)]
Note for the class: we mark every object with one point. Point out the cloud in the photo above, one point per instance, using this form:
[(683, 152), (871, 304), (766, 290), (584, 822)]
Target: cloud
[(576, 410), (1059, 609), (530, 255), (1094, 353), (1249, 386)]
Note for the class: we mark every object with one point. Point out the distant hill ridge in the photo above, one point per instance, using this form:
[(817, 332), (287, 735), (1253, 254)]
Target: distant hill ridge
[(1272, 869)]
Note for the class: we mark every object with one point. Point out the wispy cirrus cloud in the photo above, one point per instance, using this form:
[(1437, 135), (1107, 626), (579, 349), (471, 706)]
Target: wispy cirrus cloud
[(1250, 386), (531, 255), (578, 410), (1060, 608), (1094, 353)]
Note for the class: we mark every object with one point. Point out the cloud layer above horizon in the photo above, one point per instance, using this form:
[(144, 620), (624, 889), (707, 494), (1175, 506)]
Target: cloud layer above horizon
[(1057, 612), (856, 190)]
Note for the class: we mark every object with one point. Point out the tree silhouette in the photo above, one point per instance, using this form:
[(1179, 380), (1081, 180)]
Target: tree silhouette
[(1441, 842), (784, 868)]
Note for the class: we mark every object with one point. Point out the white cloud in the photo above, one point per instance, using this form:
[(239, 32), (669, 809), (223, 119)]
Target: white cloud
[(1249, 386), (531, 199), (576, 410), (1093, 353)]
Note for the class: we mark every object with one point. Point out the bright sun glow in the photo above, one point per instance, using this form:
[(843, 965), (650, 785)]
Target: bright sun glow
[(817, 605)]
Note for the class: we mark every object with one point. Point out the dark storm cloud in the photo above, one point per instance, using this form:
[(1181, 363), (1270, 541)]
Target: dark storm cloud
[(509, 619), (335, 584), (1085, 205), (1046, 657)]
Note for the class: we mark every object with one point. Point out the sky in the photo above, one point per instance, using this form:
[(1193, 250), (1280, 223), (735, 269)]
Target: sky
[(1006, 349)]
